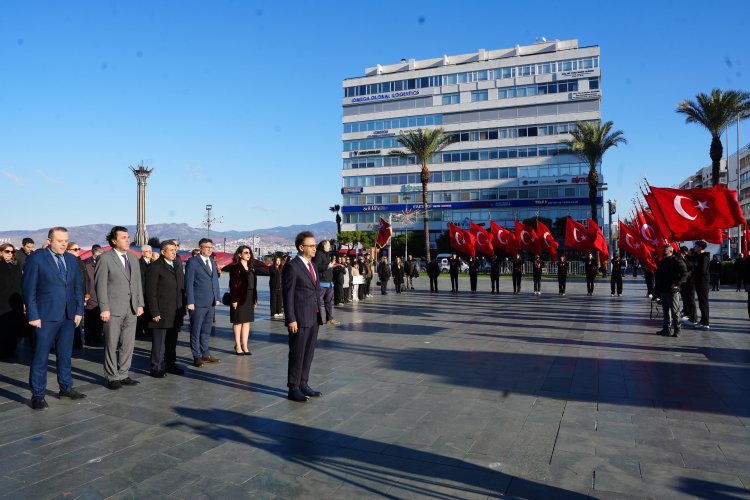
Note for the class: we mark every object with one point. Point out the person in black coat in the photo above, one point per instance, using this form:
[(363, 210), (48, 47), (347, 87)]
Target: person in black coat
[(562, 274), (517, 273), (495, 274), (746, 278), (433, 271), (12, 322), (384, 274), (274, 284), (616, 275), (473, 273), (165, 300), (243, 297), (324, 266), (538, 267), (454, 266), (591, 267), (687, 289), (670, 275), (398, 274), (701, 281), (339, 276), (75, 250), (147, 254)]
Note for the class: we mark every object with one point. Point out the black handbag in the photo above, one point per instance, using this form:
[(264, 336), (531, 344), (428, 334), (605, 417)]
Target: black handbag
[(226, 299)]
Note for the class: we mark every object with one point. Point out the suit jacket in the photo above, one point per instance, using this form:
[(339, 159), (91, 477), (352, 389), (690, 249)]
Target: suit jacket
[(118, 292), (201, 287), (165, 289), (301, 297), (47, 296)]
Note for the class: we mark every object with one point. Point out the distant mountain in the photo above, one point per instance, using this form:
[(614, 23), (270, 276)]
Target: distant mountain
[(187, 235)]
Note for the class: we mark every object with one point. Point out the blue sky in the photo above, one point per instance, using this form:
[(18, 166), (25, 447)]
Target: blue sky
[(238, 103)]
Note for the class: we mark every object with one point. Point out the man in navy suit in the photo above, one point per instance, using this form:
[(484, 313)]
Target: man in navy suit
[(202, 290), (53, 293), (300, 288)]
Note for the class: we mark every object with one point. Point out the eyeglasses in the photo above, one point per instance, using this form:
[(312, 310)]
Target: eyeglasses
[(308, 246), (9, 251), (206, 248), (74, 249), (245, 253)]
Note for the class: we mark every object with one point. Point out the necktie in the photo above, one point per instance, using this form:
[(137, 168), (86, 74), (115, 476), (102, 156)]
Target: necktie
[(208, 265), (61, 266), (127, 263), (312, 273)]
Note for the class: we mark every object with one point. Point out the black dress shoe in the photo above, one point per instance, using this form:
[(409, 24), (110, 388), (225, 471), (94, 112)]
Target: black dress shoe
[(175, 370), (113, 385), (71, 394), (307, 391), (247, 353), (128, 381), (664, 333), (157, 374), (296, 395), (39, 403)]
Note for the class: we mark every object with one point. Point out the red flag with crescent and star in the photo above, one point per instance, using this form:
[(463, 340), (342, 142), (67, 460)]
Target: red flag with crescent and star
[(596, 236), (527, 238), (703, 210), (576, 236), (462, 241), (483, 239), (630, 242), (548, 241), (503, 239), (384, 233)]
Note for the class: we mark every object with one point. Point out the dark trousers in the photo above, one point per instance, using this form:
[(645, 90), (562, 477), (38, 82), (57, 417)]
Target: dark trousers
[(562, 280), (200, 330), (383, 286), (473, 282), (616, 281), (276, 300), (78, 336), (454, 282), (301, 352), (740, 283), (434, 288), (398, 286), (701, 290), (326, 298), (141, 326), (537, 283), (748, 304), (163, 346), (650, 281), (590, 283), (92, 326), (59, 334), (688, 301), (517, 282), (338, 293), (495, 282), (346, 295)]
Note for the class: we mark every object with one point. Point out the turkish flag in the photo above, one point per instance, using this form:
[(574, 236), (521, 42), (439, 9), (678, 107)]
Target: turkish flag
[(686, 211), (484, 240), (649, 231), (577, 236), (630, 242), (462, 241), (527, 239), (548, 241), (384, 233), (600, 244), (503, 239)]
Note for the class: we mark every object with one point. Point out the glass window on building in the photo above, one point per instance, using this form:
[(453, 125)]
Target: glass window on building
[(479, 95), (451, 98)]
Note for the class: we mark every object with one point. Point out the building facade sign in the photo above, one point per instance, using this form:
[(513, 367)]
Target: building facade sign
[(387, 96), (585, 94), (579, 73), (458, 205)]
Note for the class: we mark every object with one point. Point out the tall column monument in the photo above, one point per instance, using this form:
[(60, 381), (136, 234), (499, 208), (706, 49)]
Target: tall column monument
[(141, 174)]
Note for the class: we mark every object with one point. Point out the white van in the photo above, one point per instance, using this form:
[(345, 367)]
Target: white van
[(442, 260)]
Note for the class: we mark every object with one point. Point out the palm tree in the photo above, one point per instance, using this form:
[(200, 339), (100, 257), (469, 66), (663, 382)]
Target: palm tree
[(714, 113), (336, 209), (423, 144), (589, 142)]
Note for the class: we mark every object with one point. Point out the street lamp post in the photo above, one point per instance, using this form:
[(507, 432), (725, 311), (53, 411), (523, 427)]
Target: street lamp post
[(209, 221)]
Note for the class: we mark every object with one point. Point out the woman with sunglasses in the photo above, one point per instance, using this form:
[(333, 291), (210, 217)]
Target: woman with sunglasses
[(11, 301), (243, 297), (75, 250)]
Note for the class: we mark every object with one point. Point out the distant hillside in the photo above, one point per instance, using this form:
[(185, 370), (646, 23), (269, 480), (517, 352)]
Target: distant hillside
[(187, 235)]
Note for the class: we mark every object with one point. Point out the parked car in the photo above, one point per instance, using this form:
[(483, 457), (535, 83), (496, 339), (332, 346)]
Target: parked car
[(442, 260)]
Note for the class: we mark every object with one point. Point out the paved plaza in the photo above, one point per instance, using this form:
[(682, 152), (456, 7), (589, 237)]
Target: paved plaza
[(436, 396)]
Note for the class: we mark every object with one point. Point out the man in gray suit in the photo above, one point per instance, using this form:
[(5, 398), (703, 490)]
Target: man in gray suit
[(118, 287)]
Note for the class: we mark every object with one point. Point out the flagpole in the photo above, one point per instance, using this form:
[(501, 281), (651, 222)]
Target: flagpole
[(739, 186), (671, 233), (390, 255)]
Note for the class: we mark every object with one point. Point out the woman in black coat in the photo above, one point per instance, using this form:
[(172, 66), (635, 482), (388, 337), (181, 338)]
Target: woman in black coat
[(243, 296), (274, 283), (398, 274), (517, 273), (12, 322), (384, 274)]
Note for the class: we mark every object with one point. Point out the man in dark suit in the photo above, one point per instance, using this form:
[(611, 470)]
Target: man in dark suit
[(165, 287), (300, 287), (202, 290), (27, 246), (117, 278), (53, 293), (147, 252)]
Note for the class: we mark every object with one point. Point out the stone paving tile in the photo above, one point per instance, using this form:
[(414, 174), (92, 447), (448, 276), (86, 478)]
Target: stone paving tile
[(417, 404)]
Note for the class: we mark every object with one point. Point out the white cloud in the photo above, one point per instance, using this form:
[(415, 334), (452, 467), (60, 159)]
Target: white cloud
[(15, 179), (46, 178)]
